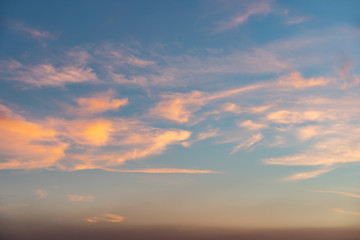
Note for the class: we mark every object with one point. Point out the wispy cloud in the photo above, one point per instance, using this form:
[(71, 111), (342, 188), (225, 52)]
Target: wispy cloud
[(113, 218), (41, 193), (256, 8), (339, 210), (307, 175), (285, 116), (296, 80), (179, 107), (248, 143), (98, 103), (37, 34), (162, 170), (48, 75), (249, 124), (340, 193), (79, 198)]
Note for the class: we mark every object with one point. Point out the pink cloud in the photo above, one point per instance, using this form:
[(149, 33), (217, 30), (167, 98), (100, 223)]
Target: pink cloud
[(257, 8), (48, 75), (296, 80)]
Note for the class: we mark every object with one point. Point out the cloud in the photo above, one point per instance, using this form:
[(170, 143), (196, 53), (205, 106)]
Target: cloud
[(132, 60), (285, 116), (339, 210), (326, 152), (39, 35), (106, 218), (231, 107), (248, 143), (180, 107), (209, 134), (296, 80), (162, 170), (132, 145), (307, 175), (88, 132), (98, 103), (79, 198), (355, 81), (41, 193), (305, 133), (27, 145), (43, 145), (257, 8), (249, 124), (48, 75), (340, 193)]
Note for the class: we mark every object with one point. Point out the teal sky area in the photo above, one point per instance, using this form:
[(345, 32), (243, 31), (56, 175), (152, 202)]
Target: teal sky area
[(226, 114)]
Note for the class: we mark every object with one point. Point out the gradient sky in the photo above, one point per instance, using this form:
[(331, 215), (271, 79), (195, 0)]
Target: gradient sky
[(240, 114)]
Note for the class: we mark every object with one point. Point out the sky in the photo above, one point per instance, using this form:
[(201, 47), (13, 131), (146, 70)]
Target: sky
[(207, 114)]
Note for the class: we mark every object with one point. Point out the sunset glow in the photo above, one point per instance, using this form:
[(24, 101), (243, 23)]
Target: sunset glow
[(200, 119)]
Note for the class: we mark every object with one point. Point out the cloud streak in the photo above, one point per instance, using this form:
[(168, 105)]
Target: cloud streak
[(257, 8), (79, 198), (47, 75), (162, 170), (98, 103), (339, 210), (108, 217), (353, 195), (307, 175)]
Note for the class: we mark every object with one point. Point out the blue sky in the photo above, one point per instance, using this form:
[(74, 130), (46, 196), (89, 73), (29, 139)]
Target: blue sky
[(199, 113)]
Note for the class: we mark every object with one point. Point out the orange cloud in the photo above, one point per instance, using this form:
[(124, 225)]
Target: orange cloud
[(27, 145), (179, 107), (88, 132), (106, 218), (296, 80), (100, 102), (147, 143), (157, 144)]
